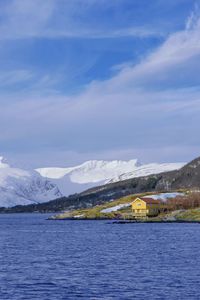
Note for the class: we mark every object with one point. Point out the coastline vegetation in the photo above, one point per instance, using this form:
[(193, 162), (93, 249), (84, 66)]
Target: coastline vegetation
[(185, 207)]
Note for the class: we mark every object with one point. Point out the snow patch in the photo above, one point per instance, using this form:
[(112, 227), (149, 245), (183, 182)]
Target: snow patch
[(78, 216), (115, 208), (165, 196), (145, 170)]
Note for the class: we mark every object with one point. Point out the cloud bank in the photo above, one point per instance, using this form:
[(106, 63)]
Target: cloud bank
[(146, 106)]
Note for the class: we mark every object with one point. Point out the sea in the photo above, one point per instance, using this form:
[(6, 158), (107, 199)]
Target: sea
[(77, 259)]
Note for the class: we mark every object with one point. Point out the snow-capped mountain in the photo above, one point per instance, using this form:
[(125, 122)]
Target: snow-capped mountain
[(92, 173), (21, 187), (148, 169)]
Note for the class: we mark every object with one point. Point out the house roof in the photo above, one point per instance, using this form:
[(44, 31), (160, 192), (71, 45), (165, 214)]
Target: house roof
[(149, 200)]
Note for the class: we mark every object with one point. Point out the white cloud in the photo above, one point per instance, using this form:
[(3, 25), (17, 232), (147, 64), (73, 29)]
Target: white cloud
[(125, 94), (130, 109), (179, 49)]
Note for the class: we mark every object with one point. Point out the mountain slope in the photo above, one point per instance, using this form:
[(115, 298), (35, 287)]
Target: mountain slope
[(22, 187), (92, 173), (187, 177)]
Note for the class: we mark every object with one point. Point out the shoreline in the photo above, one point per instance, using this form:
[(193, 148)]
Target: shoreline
[(117, 221)]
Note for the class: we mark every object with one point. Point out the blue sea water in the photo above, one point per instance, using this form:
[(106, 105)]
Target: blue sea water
[(46, 260)]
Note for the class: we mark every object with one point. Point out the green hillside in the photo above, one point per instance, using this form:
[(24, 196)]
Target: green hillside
[(178, 209)]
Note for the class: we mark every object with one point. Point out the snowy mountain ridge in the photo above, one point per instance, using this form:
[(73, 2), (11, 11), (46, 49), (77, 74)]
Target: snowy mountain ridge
[(97, 172), (91, 171), (21, 187), (144, 170)]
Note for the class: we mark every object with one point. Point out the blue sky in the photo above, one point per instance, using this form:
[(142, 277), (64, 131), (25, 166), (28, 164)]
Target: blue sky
[(97, 79)]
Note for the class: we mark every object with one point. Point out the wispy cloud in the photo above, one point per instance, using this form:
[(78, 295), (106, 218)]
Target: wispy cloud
[(21, 19), (36, 19), (179, 49), (193, 20), (140, 32), (8, 78)]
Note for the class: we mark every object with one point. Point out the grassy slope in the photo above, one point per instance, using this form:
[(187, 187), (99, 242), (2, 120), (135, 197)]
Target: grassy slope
[(125, 213), (95, 211), (189, 215)]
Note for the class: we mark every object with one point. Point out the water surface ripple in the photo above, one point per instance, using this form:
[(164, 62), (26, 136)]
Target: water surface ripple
[(52, 260)]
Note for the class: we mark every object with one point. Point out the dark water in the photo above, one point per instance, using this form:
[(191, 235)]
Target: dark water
[(95, 260)]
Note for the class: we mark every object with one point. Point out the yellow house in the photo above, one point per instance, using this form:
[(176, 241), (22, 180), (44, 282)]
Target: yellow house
[(146, 207)]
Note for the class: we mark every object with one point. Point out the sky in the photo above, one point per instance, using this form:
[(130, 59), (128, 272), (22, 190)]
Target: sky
[(98, 79)]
